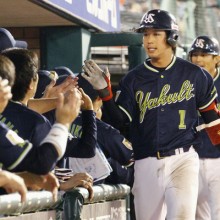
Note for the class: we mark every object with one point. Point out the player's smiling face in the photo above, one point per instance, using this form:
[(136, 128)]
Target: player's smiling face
[(206, 61), (156, 47)]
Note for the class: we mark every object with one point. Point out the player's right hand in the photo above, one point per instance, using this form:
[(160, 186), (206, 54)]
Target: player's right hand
[(13, 183), (99, 79), (79, 179), (94, 75), (87, 102), (52, 91), (68, 107), (38, 182)]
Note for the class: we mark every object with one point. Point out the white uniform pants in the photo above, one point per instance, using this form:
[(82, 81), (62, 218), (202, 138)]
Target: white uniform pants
[(208, 205), (166, 188)]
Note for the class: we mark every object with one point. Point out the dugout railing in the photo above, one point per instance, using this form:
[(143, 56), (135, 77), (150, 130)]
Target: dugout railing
[(110, 202)]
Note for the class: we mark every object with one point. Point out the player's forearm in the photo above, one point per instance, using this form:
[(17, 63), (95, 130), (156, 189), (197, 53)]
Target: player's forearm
[(89, 131), (84, 147), (212, 124), (40, 160), (117, 118), (42, 105)]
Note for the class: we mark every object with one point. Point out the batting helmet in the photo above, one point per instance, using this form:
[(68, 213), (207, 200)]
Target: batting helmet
[(161, 20), (205, 44)]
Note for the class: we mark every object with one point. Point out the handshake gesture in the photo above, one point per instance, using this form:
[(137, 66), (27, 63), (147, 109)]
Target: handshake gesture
[(99, 79)]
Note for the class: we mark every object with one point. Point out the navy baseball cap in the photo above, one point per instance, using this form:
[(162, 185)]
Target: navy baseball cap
[(8, 41), (44, 81), (63, 70), (87, 88)]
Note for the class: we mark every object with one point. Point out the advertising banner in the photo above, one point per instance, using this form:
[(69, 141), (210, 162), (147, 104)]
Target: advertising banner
[(101, 14)]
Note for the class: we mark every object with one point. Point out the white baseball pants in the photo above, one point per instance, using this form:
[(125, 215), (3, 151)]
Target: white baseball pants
[(208, 205), (166, 188)]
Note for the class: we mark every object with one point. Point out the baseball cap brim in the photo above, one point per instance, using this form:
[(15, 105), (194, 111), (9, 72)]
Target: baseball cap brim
[(21, 44), (63, 70), (8, 41)]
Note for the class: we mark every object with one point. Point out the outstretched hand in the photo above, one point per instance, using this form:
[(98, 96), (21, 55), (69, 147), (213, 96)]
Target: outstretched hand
[(95, 75), (99, 79), (68, 107), (52, 91)]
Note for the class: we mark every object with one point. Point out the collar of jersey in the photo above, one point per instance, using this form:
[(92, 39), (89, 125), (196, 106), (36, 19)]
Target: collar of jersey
[(154, 70), (18, 103), (217, 75)]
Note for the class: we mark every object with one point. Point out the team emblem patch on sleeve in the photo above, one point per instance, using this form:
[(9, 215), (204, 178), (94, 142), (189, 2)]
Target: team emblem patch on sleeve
[(13, 138), (127, 144)]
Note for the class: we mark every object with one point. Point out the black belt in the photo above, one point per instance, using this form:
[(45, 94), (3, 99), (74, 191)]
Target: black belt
[(163, 154)]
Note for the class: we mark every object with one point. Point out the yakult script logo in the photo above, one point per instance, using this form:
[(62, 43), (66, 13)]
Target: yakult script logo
[(146, 102)]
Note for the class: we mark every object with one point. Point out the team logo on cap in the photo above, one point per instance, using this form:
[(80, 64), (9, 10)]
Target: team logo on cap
[(200, 43), (149, 18)]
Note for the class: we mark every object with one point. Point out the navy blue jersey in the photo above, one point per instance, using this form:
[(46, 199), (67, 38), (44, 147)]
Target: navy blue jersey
[(34, 127), (111, 142), (151, 99), (17, 155), (29, 124), (120, 174), (207, 150), (12, 148), (83, 147)]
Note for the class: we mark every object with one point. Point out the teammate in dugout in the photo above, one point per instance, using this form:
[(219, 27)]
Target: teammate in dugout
[(29, 124), (204, 52), (115, 146), (112, 143), (18, 153), (160, 98)]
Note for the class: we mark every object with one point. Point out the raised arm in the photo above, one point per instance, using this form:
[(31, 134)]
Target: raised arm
[(100, 80), (84, 147)]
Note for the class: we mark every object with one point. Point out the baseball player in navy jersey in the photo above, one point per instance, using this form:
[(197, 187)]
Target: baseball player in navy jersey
[(16, 152), (112, 143), (110, 140), (204, 52), (31, 125), (160, 99)]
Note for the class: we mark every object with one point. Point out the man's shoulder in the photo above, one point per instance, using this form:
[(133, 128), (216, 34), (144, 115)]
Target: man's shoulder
[(182, 61), (23, 111)]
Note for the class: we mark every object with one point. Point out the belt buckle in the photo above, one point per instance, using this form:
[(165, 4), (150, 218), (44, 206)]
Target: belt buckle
[(158, 155)]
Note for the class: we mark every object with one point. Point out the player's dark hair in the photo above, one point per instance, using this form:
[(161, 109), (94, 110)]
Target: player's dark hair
[(26, 67), (7, 70)]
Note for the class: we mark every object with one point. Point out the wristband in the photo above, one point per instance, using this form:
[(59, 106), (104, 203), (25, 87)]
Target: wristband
[(58, 137), (106, 93)]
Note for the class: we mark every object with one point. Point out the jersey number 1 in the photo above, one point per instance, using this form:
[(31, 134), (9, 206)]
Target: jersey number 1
[(182, 114)]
